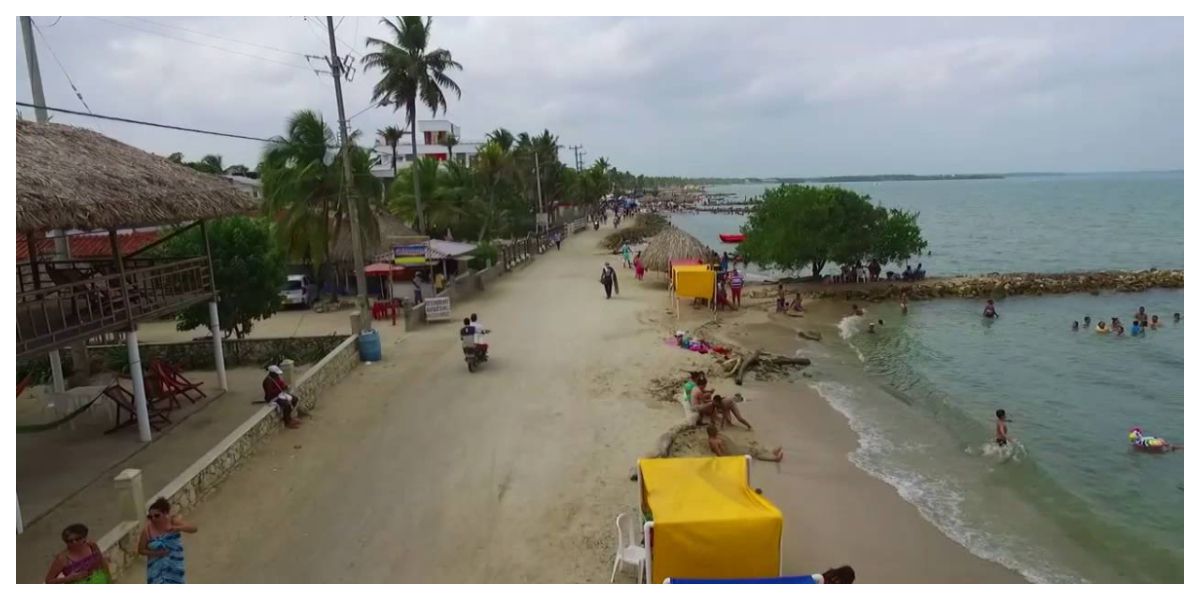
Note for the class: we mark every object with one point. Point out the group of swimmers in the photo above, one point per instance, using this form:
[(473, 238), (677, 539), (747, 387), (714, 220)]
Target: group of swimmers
[(1141, 323)]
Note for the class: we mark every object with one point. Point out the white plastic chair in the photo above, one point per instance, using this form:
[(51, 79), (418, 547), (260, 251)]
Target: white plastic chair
[(629, 552)]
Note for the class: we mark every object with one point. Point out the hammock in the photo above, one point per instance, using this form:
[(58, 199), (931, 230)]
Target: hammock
[(56, 423)]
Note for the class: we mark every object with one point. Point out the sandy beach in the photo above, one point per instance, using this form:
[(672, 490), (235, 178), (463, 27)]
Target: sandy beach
[(413, 470)]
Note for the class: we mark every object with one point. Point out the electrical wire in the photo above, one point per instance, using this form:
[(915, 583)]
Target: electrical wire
[(214, 47), (53, 55), (220, 37), (152, 124)]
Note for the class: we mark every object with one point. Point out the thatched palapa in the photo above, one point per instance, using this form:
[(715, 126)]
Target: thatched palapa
[(391, 231), (672, 244), (72, 178)]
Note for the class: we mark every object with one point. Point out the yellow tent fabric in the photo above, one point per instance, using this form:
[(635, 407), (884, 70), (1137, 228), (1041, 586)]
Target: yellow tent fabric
[(694, 281), (708, 522)]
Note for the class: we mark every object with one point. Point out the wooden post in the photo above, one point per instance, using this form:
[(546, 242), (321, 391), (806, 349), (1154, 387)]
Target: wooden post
[(56, 372)]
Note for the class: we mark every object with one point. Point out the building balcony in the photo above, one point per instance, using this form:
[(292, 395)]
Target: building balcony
[(87, 298)]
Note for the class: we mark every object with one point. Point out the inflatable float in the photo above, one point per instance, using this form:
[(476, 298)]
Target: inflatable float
[(1147, 443), (731, 238)]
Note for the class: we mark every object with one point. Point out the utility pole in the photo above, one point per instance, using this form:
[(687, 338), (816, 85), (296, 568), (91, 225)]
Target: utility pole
[(335, 62), (576, 150), (35, 73), (62, 250)]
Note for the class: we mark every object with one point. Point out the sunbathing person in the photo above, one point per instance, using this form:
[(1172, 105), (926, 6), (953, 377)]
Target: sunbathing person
[(716, 443)]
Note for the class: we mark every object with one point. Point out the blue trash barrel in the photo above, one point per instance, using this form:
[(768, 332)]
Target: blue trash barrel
[(369, 348)]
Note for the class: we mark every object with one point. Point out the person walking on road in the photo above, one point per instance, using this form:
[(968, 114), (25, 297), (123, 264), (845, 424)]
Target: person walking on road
[(608, 278)]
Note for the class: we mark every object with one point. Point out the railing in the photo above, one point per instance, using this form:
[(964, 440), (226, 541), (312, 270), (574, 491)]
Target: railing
[(58, 272), (54, 316)]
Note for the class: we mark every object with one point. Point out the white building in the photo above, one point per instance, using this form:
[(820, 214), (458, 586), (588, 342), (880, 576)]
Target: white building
[(431, 142), (247, 184)]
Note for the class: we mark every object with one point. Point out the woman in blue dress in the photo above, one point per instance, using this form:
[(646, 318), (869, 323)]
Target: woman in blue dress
[(162, 544)]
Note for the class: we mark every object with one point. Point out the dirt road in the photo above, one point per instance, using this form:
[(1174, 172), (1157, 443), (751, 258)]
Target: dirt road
[(414, 470)]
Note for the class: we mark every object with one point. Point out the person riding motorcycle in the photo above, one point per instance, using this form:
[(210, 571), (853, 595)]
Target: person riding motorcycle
[(480, 344)]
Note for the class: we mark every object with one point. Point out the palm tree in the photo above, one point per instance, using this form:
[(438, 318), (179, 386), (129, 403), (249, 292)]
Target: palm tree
[(391, 136), (302, 176), (503, 137), (411, 73), (451, 142), (211, 163), (494, 168)]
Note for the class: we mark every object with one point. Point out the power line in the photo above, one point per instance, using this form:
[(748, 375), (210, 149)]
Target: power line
[(220, 37), (152, 124), (221, 48), (78, 94)]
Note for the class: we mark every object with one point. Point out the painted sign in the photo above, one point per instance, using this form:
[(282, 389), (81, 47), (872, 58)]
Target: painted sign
[(409, 254), (437, 308)]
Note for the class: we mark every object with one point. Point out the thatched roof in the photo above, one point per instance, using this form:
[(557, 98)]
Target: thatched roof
[(672, 244), (392, 231), (72, 178)]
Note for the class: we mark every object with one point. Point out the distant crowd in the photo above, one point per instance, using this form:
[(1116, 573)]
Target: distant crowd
[(1140, 325)]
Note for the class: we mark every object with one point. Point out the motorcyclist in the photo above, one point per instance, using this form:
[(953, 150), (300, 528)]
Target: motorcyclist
[(480, 344)]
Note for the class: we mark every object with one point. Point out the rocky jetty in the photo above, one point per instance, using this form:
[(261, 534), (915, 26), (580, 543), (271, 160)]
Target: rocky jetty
[(997, 285)]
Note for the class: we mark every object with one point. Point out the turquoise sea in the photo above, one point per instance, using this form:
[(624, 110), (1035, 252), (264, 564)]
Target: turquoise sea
[(1069, 502)]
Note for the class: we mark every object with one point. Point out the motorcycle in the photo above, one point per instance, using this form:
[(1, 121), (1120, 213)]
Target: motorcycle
[(472, 354)]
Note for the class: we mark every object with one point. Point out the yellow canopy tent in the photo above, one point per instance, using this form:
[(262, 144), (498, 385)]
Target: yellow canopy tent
[(694, 281), (705, 521)]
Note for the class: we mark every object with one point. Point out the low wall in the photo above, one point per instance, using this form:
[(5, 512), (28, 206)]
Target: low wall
[(198, 355), (464, 287), (203, 476)]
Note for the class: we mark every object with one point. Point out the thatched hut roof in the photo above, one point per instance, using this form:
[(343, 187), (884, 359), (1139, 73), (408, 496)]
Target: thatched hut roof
[(72, 178), (392, 231), (672, 244)]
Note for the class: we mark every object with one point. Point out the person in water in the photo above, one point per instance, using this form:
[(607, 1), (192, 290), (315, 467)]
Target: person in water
[(1177, 317), (989, 311), (1115, 323), (1001, 428), (1087, 320), (1100, 328), (1119, 330), (1154, 322), (904, 303), (1136, 329), (855, 310), (1149, 443), (1075, 326), (1140, 315)]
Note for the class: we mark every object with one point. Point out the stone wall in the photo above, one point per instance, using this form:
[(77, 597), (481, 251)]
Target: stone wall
[(203, 476), (1000, 285), (198, 355)]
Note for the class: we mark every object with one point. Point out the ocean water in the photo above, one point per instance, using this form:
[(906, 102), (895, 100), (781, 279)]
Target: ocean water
[(1069, 501), (1040, 224)]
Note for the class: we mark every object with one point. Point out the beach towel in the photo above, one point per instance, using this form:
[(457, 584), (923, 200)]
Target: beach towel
[(169, 568)]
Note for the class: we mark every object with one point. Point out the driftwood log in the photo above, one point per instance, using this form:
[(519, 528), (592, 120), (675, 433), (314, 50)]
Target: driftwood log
[(746, 364)]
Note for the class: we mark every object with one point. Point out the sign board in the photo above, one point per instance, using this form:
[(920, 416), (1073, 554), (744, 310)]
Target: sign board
[(437, 308), (409, 254), (543, 220)]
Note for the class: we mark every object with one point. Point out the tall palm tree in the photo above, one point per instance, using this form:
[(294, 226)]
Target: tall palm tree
[(503, 138), (411, 73), (211, 163), (391, 136), (302, 176), (451, 142), (494, 168)]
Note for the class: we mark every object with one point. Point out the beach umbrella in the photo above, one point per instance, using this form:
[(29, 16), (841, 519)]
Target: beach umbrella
[(672, 244)]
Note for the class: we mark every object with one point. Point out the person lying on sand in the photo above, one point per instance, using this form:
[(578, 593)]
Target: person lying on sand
[(727, 406), (716, 443)]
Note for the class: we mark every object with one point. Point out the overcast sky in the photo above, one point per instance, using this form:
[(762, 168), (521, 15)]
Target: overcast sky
[(672, 96)]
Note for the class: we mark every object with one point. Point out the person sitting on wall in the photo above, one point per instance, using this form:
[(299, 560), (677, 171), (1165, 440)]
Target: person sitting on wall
[(275, 390)]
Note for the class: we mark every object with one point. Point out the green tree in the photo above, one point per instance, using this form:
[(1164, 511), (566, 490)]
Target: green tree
[(391, 136), (503, 138), (451, 142), (248, 269), (211, 163), (302, 188), (494, 170), (797, 226), (411, 73)]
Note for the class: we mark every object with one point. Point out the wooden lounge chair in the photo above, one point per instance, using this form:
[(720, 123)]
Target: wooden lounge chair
[(170, 384), (126, 411)]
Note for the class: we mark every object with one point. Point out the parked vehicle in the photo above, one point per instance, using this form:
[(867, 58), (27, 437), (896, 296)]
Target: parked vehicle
[(298, 290)]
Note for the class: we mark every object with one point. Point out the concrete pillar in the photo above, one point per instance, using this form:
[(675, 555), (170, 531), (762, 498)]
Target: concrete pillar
[(214, 324), (355, 322), (288, 367), (56, 371), (131, 499), (139, 386)]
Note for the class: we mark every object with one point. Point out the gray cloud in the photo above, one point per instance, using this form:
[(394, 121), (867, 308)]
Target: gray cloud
[(687, 96)]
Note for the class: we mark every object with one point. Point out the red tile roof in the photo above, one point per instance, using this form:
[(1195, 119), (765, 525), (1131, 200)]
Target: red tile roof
[(89, 245)]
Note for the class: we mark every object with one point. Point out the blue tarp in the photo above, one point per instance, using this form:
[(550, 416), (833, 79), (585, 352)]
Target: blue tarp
[(795, 579)]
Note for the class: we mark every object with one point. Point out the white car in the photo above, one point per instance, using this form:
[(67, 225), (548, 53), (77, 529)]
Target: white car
[(298, 290)]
